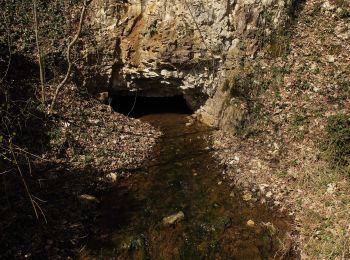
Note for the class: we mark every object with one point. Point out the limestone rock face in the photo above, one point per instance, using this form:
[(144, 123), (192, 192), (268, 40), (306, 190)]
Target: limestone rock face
[(164, 48)]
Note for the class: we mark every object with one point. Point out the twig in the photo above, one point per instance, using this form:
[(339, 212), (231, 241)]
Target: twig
[(5, 157), (22, 178), (29, 165), (4, 172), (34, 155), (39, 199), (41, 70), (9, 46), (70, 45), (42, 212), (133, 106)]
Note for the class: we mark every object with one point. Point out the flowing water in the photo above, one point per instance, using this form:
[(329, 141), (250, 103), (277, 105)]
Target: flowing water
[(184, 176)]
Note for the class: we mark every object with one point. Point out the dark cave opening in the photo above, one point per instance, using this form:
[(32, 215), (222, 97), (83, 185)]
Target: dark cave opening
[(138, 106)]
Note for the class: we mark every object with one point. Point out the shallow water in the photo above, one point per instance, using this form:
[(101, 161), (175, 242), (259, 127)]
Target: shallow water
[(183, 176)]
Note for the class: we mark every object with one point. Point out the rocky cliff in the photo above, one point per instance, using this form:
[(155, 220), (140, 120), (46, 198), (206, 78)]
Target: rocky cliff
[(165, 48)]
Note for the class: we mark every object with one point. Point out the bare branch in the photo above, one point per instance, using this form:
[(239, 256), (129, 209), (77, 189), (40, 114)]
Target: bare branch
[(42, 212), (70, 64)]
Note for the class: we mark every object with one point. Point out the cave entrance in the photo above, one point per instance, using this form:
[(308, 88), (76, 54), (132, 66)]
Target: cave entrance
[(138, 106)]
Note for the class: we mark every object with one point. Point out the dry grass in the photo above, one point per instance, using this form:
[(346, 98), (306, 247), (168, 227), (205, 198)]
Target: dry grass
[(324, 212)]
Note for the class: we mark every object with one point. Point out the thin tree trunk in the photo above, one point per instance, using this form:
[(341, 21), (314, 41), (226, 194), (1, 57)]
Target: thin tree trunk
[(41, 70), (70, 64)]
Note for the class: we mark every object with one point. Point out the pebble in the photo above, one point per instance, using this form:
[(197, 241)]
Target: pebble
[(87, 200), (247, 196), (331, 59), (113, 177), (173, 219), (250, 223), (269, 194), (276, 203)]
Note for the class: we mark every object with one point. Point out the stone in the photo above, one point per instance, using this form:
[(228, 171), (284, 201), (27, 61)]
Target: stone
[(269, 195), (277, 203), (262, 188), (88, 200), (216, 205), (113, 177), (327, 6), (247, 197), (173, 219), (331, 58), (331, 188), (250, 223), (103, 97)]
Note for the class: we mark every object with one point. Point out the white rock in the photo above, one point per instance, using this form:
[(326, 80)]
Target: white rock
[(269, 194), (173, 219), (277, 203), (328, 6), (331, 59), (113, 177), (250, 223), (247, 196), (88, 200), (331, 188)]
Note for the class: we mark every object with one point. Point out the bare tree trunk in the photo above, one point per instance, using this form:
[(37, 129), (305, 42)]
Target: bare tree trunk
[(68, 54), (41, 70)]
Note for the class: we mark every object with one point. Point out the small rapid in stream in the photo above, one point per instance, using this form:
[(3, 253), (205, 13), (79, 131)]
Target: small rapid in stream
[(184, 177)]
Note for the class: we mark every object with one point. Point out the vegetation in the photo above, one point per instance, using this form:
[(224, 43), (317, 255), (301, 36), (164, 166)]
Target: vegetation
[(32, 46), (337, 142), (153, 28), (28, 63)]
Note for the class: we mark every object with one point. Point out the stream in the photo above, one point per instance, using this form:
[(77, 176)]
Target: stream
[(184, 178)]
